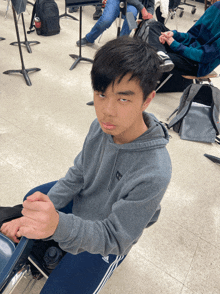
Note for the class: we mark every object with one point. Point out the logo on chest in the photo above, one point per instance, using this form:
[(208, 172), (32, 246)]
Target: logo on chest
[(118, 175)]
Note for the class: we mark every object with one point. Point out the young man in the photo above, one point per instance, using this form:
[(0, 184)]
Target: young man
[(99, 210)]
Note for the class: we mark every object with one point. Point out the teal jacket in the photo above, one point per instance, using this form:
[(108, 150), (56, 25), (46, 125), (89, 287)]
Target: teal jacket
[(202, 42), (116, 191)]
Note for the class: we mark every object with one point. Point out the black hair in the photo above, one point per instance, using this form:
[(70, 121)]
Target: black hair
[(125, 55)]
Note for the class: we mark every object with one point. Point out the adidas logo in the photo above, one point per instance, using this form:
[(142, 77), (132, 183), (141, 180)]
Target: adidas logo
[(106, 259)]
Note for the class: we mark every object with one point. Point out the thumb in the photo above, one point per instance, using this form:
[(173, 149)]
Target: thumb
[(37, 196)]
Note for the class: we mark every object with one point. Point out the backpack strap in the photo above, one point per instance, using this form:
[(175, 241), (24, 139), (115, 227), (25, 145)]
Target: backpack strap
[(216, 108), (185, 102), (32, 19)]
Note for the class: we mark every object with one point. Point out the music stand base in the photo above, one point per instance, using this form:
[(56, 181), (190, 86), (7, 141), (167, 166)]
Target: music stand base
[(27, 44), (24, 72), (67, 15), (78, 59)]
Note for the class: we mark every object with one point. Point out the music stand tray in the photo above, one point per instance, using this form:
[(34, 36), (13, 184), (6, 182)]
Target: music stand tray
[(23, 70)]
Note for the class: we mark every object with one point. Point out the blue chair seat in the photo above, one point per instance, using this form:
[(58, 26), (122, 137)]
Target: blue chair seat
[(7, 247)]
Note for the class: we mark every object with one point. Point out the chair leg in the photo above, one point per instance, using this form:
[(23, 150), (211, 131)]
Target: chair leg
[(169, 76), (16, 279)]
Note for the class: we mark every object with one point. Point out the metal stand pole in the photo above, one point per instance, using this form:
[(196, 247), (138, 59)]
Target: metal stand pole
[(79, 57), (25, 42), (23, 70)]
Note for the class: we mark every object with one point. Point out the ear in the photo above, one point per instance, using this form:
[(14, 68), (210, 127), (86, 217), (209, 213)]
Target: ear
[(149, 99)]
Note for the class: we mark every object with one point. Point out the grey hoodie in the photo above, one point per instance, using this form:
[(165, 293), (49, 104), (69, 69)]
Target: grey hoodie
[(116, 191)]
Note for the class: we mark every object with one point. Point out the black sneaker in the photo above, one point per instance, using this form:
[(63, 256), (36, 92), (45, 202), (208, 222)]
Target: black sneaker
[(73, 9), (84, 42), (97, 14), (167, 64)]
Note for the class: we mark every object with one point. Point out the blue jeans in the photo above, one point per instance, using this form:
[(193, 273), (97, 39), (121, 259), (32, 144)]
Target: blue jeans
[(84, 273), (110, 13)]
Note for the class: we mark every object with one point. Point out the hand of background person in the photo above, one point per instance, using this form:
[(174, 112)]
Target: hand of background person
[(40, 218), (166, 37), (145, 14)]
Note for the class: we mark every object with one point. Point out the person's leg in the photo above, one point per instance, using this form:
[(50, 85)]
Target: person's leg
[(98, 12), (45, 188), (159, 15), (183, 65), (82, 273), (109, 14), (125, 28)]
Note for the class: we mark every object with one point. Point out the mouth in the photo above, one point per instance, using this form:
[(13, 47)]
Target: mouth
[(108, 126)]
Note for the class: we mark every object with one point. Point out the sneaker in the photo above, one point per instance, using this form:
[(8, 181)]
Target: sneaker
[(167, 64), (97, 14), (84, 42), (73, 9)]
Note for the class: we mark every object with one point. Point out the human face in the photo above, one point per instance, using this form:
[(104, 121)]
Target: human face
[(120, 110)]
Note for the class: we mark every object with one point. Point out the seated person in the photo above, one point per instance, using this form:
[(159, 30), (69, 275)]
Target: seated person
[(99, 210), (194, 53), (111, 12)]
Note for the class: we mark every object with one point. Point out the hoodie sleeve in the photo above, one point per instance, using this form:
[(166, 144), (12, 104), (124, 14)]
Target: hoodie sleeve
[(137, 4), (121, 229), (69, 186)]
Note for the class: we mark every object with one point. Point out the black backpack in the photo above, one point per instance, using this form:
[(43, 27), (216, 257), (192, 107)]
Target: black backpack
[(48, 13), (197, 117)]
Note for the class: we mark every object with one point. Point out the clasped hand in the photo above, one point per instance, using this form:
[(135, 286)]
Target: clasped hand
[(166, 37), (40, 219)]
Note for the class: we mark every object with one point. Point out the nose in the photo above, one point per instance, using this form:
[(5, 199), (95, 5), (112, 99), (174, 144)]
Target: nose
[(109, 108)]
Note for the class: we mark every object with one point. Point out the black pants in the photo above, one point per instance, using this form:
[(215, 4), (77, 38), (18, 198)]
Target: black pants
[(183, 65)]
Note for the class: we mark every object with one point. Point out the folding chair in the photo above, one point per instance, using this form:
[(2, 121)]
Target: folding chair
[(15, 263), (195, 79)]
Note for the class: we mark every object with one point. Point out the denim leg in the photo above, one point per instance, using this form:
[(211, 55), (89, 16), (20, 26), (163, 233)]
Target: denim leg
[(125, 28), (110, 13)]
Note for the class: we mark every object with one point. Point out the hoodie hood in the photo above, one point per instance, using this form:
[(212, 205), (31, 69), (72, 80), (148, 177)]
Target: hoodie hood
[(156, 136)]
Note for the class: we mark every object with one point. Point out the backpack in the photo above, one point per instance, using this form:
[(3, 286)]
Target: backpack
[(48, 12), (197, 117)]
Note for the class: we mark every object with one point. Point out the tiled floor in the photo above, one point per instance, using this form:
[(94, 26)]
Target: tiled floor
[(42, 128)]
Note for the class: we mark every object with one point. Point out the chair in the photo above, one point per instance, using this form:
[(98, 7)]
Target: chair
[(195, 79), (13, 262)]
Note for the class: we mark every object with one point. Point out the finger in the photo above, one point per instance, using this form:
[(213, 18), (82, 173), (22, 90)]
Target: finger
[(29, 232), (37, 196)]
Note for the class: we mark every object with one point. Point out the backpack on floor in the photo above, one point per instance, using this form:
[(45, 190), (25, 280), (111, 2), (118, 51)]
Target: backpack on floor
[(197, 117), (48, 13)]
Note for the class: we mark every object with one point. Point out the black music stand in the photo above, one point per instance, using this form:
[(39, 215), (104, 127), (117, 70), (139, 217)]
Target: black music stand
[(80, 3), (20, 7), (66, 14), (25, 42)]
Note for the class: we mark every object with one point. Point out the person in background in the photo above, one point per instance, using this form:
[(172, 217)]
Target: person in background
[(111, 12)]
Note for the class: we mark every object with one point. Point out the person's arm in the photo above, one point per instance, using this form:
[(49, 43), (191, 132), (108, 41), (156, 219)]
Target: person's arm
[(121, 229), (69, 186)]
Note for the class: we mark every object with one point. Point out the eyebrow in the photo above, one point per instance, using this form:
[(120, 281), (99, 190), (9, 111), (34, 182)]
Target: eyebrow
[(126, 93)]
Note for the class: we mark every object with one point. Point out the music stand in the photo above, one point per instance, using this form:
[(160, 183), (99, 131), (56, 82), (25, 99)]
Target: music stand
[(80, 3), (66, 14), (20, 7), (25, 42)]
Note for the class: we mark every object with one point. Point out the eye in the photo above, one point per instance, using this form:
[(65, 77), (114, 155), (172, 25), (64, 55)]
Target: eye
[(123, 100)]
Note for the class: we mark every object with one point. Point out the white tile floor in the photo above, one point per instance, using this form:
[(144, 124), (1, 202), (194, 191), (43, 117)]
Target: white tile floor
[(42, 128)]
